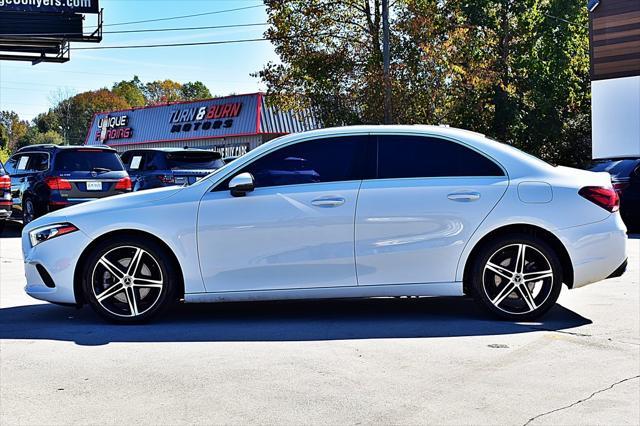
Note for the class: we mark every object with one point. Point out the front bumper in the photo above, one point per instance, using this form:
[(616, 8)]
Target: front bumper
[(59, 258), (597, 250)]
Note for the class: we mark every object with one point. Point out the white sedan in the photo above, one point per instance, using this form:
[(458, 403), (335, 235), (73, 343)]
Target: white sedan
[(370, 211)]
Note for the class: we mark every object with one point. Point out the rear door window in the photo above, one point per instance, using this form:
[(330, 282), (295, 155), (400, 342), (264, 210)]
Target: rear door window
[(406, 156), (87, 161), (28, 163)]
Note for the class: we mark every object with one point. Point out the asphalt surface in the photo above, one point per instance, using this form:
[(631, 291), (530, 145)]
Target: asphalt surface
[(385, 361)]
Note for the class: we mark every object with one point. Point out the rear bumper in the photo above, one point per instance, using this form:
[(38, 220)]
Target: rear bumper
[(5, 209), (620, 271), (597, 250)]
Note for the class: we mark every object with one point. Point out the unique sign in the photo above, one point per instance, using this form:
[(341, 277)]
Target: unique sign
[(51, 6), (114, 128), (205, 118), (592, 4)]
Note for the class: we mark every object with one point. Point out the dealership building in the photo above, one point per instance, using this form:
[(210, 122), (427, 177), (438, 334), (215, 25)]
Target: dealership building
[(231, 125)]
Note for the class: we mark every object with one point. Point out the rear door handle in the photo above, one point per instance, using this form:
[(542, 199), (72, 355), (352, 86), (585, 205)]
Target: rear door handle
[(464, 197), (328, 201)]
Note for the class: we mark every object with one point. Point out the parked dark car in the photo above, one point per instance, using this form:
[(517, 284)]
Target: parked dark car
[(49, 177), (157, 167), (625, 175), (5, 195)]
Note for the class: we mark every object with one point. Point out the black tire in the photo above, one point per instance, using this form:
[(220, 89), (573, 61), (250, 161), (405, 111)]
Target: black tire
[(99, 280), (30, 211), (536, 286)]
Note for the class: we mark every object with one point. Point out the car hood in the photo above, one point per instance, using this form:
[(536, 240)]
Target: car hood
[(117, 202)]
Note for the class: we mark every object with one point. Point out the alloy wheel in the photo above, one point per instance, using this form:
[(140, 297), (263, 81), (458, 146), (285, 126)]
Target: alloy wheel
[(127, 281), (28, 212), (518, 279)]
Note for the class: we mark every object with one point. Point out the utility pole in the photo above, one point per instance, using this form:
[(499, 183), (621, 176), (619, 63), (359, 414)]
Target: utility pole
[(388, 119)]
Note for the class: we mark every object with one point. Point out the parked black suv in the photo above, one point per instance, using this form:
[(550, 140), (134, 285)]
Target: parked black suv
[(625, 175), (157, 167), (49, 177), (5, 195)]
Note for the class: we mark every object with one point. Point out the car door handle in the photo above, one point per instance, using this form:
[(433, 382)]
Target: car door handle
[(464, 197), (328, 202)]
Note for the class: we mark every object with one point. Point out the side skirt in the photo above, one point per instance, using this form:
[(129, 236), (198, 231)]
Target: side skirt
[(426, 290)]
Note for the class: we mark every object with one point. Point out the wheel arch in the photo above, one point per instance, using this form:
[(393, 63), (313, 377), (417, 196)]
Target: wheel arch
[(77, 275), (547, 236)]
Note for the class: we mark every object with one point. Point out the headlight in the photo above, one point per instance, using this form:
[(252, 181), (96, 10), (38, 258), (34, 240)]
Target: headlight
[(40, 235)]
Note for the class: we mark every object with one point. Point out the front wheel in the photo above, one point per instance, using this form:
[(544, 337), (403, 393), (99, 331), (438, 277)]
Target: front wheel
[(517, 278), (129, 280)]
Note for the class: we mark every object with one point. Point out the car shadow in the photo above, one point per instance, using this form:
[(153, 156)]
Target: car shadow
[(11, 229), (278, 321)]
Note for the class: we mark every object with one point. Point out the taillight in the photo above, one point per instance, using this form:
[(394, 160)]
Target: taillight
[(620, 186), (5, 182), (607, 198), (56, 183), (166, 179), (124, 184)]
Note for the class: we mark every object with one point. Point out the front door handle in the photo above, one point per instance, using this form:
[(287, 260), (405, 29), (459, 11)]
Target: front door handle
[(328, 201), (464, 197)]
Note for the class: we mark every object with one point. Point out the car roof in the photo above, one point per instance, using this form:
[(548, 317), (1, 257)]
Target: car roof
[(51, 147)]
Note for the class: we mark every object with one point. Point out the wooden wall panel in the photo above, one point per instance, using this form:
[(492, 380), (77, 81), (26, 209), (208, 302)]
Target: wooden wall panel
[(614, 35)]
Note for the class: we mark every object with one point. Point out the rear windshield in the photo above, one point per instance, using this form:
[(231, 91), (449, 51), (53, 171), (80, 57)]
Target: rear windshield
[(617, 168), (194, 160), (87, 160)]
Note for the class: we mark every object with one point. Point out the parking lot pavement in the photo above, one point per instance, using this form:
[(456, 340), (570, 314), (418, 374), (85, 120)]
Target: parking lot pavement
[(400, 361)]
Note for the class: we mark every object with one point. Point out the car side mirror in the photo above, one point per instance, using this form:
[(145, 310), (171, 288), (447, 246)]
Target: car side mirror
[(241, 184)]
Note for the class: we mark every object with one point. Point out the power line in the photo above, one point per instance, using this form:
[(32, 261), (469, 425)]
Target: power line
[(145, 46), (215, 12), (145, 30), (152, 30)]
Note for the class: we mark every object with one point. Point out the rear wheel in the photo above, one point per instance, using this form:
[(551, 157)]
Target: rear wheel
[(29, 212), (517, 277), (129, 280)]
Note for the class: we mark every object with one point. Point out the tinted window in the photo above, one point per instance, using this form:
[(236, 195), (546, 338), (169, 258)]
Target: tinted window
[(321, 160), (416, 156), (28, 163), (194, 160), (134, 160), (87, 160)]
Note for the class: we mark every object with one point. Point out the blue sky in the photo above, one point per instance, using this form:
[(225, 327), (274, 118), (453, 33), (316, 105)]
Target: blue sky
[(225, 69)]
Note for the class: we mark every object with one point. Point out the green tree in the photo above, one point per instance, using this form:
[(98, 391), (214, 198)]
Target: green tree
[(14, 128), (47, 121), (162, 91), (132, 91), (33, 136), (501, 67), (195, 90), (330, 57)]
